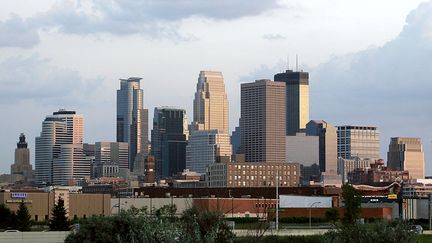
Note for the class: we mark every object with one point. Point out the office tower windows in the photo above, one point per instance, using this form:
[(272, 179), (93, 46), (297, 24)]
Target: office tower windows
[(169, 140), (407, 154), (207, 147), (358, 141), (62, 128), (327, 144), (132, 119), (110, 157), (210, 103), (262, 122), (297, 100)]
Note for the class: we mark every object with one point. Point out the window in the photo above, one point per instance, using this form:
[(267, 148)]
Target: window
[(36, 218)]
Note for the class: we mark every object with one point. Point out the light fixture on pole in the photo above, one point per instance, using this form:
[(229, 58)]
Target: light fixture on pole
[(310, 214)]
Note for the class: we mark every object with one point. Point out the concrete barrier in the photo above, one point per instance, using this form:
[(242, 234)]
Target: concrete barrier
[(30, 237), (281, 232)]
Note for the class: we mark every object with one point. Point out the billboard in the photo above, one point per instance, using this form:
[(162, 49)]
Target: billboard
[(291, 201)]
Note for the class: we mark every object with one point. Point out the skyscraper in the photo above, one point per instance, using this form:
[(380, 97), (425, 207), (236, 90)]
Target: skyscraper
[(71, 165), (262, 122), (132, 119), (297, 99), (63, 127), (407, 154), (21, 170), (169, 140), (358, 141), (207, 147), (210, 103), (327, 144), (110, 157)]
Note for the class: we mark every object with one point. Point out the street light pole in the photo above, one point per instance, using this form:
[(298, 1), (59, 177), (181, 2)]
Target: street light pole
[(277, 198), (310, 214)]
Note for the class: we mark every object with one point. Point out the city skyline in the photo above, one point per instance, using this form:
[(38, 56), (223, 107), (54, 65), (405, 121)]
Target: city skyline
[(101, 132)]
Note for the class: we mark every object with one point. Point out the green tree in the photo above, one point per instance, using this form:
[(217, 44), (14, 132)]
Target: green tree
[(207, 226), (332, 215), (5, 215), (378, 232), (23, 218), (352, 203), (59, 221), (13, 221), (136, 226)]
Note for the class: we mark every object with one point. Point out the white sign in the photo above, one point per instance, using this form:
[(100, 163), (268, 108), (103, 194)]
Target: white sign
[(18, 195), (288, 201)]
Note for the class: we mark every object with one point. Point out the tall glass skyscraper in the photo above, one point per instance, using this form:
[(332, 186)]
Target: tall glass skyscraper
[(132, 119), (169, 139), (297, 99)]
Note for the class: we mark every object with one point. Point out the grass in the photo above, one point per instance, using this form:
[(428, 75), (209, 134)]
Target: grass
[(304, 239), (425, 238)]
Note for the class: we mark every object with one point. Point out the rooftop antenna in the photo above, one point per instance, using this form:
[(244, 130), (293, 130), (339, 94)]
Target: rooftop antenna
[(296, 62), (287, 62)]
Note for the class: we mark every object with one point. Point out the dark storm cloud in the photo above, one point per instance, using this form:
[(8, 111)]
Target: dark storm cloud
[(35, 79), (151, 18)]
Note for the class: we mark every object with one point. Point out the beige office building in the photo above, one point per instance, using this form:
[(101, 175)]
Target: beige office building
[(253, 174), (327, 144), (407, 154), (210, 103), (262, 122), (40, 204)]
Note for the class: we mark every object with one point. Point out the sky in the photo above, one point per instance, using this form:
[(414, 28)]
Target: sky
[(368, 60)]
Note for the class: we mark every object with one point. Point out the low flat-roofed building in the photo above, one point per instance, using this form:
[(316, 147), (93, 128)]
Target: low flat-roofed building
[(40, 204), (251, 174)]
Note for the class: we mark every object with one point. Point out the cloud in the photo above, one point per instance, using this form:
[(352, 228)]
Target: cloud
[(16, 32), (152, 18), (32, 87), (274, 37), (388, 86), (35, 79)]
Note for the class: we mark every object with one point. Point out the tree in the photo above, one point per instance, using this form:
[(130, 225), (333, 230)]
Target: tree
[(352, 202), (23, 218), (5, 216), (59, 221), (133, 226), (380, 231), (332, 215), (205, 226)]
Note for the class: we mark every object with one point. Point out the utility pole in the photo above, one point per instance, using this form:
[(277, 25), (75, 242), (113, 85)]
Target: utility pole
[(429, 207)]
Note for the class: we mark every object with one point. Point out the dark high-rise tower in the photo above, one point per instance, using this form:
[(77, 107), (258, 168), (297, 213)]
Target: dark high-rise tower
[(297, 99), (169, 140), (132, 119)]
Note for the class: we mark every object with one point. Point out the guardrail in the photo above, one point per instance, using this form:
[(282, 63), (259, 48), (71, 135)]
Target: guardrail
[(31, 237)]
